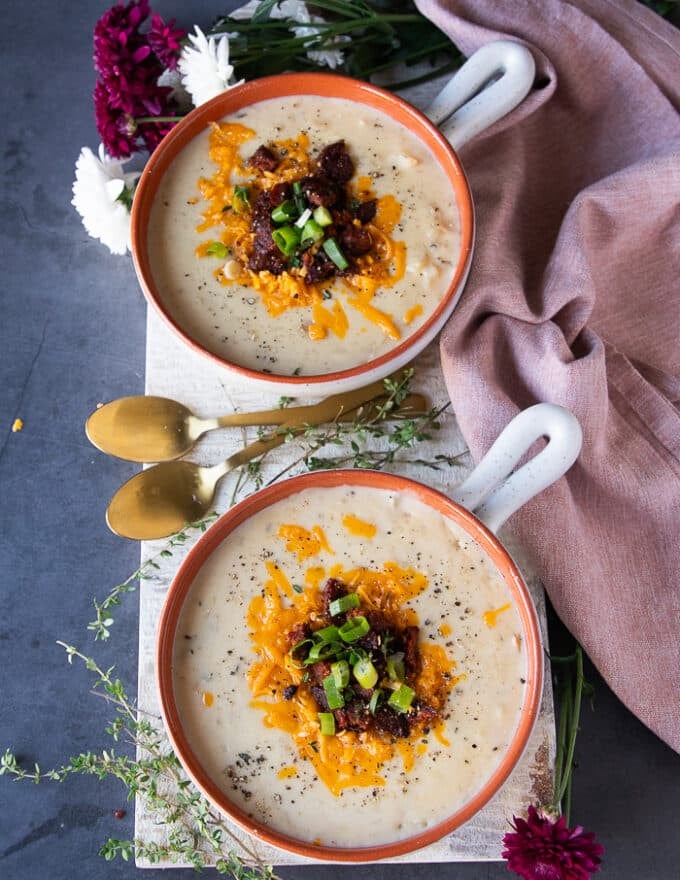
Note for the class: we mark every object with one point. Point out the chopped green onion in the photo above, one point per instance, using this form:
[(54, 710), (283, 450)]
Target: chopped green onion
[(298, 588), (327, 634), (402, 698), (395, 666), (287, 238), (340, 672), (322, 651), (322, 216), (295, 651), (334, 253), (284, 212), (334, 698), (355, 655), (354, 628), (241, 200), (300, 203), (365, 673), (343, 603), (217, 249), (327, 723), (376, 697), (311, 233), (303, 218)]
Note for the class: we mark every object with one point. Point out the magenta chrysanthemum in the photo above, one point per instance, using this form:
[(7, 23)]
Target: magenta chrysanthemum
[(127, 89), (164, 39), (542, 848), (116, 128)]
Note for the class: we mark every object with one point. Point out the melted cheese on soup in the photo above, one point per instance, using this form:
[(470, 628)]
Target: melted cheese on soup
[(465, 608), (233, 321)]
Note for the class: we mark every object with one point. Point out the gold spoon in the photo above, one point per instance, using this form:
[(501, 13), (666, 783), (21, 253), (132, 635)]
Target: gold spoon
[(149, 429), (162, 499)]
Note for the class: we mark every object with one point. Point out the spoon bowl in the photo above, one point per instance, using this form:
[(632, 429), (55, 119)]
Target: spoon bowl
[(150, 429), (162, 499), (145, 428)]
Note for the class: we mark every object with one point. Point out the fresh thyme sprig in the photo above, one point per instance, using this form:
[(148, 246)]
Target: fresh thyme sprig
[(354, 439), (377, 425), (100, 626), (196, 832), (373, 35)]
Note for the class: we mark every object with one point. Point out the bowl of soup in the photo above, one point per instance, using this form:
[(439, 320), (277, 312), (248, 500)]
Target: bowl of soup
[(349, 662), (309, 232)]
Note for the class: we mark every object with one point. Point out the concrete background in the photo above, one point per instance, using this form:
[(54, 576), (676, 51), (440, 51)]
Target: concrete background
[(72, 325)]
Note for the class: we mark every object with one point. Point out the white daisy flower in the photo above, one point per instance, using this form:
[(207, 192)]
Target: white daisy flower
[(97, 189), (205, 67), (296, 10), (172, 79), (243, 13)]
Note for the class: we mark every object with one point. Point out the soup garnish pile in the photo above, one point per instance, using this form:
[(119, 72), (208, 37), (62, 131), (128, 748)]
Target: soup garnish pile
[(291, 224), (346, 658)]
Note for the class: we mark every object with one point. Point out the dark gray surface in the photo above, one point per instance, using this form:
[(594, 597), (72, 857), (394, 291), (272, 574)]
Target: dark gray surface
[(71, 335)]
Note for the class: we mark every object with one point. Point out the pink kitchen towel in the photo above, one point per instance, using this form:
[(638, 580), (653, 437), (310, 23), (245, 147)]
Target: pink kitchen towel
[(574, 298)]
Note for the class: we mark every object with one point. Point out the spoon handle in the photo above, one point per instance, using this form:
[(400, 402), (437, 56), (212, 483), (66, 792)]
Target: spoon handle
[(327, 410), (413, 404)]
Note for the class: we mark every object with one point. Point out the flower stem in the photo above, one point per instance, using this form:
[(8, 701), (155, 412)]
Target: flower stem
[(570, 712), (141, 120)]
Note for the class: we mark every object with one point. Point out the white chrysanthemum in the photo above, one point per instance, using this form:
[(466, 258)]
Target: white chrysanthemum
[(329, 57), (205, 67), (96, 190), (296, 10), (179, 96)]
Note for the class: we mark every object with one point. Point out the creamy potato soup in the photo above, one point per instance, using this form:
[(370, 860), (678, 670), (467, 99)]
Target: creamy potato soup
[(397, 233), (257, 575)]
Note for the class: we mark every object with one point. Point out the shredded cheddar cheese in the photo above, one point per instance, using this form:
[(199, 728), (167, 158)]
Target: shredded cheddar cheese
[(359, 527), (303, 542), (230, 227), (490, 617), (413, 313), (348, 758)]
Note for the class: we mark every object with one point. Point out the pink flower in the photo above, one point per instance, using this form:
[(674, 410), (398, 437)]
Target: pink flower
[(116, 128), (543, 848), (164, 39), (127, 89), (152, 133), (118, 45)]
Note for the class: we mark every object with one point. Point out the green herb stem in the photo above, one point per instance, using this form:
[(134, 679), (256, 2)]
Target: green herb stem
[(141, 120), (570, 698)]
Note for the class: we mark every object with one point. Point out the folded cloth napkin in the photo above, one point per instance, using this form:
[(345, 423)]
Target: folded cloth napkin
[(574, 298)]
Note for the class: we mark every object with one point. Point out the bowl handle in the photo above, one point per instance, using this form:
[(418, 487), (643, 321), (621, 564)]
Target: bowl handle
[(491, 83), (490, 493)]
